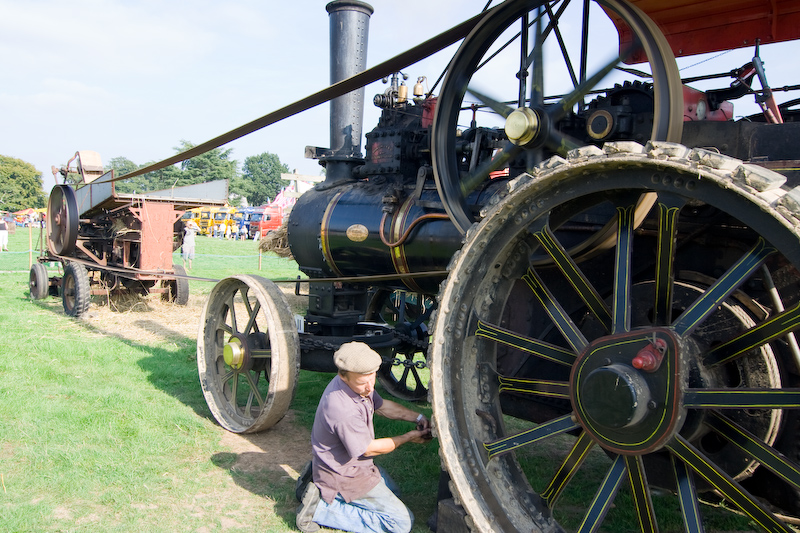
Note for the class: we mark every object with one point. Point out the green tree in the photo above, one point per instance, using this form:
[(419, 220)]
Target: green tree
[(261, 178), (20, 185)]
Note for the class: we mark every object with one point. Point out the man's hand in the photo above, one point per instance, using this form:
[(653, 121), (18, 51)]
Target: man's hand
[(419, 436)]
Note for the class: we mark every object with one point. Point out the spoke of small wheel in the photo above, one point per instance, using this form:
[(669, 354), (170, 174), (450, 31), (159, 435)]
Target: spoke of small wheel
[(569, 466), (234, 380), (755, 447), (233, 313), (729, 488), (542, 431), (622, 271), (687, 495), (605, 496), (776, 327), (542, 349), (554, 310), (225, 327), (741, 398), (252, 313), (722, 288), (404, 376), (640, 492), (254, 392), (668, 209)]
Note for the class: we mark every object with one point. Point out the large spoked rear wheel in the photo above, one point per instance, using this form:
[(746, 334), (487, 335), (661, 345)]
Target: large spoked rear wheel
[(516, 80), (248, 354), (665, 359)]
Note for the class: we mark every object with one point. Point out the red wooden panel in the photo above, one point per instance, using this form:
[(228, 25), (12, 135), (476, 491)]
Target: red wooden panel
[(696, 27)]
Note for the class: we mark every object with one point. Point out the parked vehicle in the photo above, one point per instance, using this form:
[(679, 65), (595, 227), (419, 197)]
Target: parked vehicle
[(264, 220), (206, 219), (224, 216), (191, 214)]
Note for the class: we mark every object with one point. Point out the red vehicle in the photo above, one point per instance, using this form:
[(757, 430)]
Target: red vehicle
[(264, 220)]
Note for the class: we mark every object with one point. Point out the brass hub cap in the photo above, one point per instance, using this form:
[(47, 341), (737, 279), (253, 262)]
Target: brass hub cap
[(234, 353), (523, 126)]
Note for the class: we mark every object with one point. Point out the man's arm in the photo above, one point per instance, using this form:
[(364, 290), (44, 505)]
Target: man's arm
[(395, 411), (390, 444)]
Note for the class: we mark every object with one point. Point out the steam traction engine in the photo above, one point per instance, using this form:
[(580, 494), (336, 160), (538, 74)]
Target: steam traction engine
[(604, 284), (108, 242)]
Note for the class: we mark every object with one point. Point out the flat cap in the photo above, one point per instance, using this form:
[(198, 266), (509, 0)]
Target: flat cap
[(357, 357)]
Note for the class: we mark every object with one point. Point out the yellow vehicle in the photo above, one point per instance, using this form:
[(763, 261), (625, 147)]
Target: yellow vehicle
[(224, 217), (191, 214), (207, 219)]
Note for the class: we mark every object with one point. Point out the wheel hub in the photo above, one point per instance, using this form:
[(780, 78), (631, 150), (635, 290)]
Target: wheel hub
[(523, 126), (622, 396), (629, 410), (235, 353)]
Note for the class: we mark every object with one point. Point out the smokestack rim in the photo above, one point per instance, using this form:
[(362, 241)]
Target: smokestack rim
[(349, 5)]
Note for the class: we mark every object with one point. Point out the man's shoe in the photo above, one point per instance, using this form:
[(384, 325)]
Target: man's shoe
[(302, 481), (305, 513)]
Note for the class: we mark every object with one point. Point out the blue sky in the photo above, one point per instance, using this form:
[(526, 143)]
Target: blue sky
[(133, 78)]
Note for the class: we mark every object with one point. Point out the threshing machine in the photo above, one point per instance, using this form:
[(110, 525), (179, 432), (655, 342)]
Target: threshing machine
[(107, 242)]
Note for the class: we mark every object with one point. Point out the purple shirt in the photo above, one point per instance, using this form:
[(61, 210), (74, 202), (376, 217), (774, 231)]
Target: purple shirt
[(341, 433)]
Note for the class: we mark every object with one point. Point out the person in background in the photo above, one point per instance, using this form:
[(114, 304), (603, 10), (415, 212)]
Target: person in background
[(187, 250), (344, 489), (3, 235)]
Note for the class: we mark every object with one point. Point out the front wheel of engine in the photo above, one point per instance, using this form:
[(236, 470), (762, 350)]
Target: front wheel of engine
[(661, 360), (248, 354)]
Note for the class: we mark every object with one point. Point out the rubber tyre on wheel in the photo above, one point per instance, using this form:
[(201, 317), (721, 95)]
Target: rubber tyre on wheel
[(75, 290), (178, 288), (39, 282)]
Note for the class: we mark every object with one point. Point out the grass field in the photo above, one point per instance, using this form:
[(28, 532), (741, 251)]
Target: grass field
[(104, 432), (105, 428)]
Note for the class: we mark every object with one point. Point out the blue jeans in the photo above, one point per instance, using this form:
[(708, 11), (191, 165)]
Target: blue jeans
[(379, 511)]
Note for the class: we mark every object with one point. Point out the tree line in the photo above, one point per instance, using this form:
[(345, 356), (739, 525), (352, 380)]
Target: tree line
[(258, 181)]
